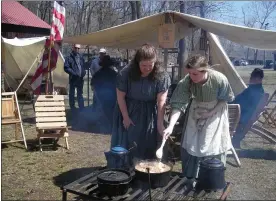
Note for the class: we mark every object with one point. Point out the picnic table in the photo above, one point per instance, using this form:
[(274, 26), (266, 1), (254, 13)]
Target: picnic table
[(87, 188)]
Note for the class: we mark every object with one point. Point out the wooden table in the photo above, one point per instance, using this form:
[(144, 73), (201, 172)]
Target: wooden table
[(86, 187)]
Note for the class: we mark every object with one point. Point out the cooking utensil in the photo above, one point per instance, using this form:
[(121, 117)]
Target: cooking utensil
[(114, 182), (159, 152), (156, 179), (211, 175), (149, 184)]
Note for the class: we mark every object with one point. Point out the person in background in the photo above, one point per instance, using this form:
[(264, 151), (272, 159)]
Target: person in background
[(95, 66), (248, 101), (104, 84), (74, 66), (142, 89), (206, 131)]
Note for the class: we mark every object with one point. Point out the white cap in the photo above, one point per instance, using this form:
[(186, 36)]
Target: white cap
[(77, 45), (102, 50)]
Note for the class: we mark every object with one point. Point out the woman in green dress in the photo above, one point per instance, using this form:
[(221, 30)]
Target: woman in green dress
[(206, 133)]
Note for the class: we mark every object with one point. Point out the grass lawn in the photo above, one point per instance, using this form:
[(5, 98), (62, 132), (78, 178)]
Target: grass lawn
[(32, 175)]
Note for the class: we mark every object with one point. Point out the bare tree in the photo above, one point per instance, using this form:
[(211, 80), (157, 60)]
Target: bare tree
[(261, 13)]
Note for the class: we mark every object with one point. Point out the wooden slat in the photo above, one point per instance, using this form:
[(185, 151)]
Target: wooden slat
[(50, 98), (263, 135), (50, 119), (10, 121), (49, 109), (7, 93), (52, 135), (60, 103), (50, 125), (50, 114), (6, 99)]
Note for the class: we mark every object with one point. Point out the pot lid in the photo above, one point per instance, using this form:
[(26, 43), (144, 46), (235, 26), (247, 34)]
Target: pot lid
[(114, 176), (119, 149), (212, 162)]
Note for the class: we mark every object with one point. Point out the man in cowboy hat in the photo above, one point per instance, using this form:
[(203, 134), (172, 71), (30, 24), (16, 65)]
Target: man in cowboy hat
[(74, 66)]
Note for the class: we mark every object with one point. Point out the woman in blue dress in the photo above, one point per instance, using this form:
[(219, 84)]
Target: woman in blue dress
[(142, 89)]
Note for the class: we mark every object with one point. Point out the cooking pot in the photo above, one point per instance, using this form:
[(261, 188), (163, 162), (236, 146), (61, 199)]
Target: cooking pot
[(114, 182), (211, 175), (119, 157), (157, 180)]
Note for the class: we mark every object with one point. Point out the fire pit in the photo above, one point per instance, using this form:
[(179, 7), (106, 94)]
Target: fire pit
[(176, 189)]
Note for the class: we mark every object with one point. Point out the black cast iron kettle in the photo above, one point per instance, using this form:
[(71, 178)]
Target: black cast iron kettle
[(211, 175)]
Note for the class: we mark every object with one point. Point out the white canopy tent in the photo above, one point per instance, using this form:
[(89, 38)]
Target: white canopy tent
[(135, 33), (19, 55)]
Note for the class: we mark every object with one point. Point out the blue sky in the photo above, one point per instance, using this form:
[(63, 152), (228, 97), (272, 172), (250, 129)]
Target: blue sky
[(237, 17)]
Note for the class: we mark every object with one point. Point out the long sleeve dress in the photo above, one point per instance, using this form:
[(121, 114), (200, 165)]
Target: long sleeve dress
[(203, 137), (141, 101)]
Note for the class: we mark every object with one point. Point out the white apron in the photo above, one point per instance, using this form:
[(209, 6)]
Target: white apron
[(207, 137)]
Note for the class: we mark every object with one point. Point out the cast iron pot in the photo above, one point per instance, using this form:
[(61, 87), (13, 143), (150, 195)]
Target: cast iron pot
[(211, 175), (114, 182), (157, 180)]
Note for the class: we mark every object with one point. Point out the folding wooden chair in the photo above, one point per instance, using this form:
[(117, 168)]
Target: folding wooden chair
[(234, 113), (50, 116), (257, 113), (11, 115), (269, 112)]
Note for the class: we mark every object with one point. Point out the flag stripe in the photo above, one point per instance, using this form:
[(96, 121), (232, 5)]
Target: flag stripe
[(57, 31)]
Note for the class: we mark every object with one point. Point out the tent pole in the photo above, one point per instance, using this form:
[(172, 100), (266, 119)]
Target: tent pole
[(29, 70)]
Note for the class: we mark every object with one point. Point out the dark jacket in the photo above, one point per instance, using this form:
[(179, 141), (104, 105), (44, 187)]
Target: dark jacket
[(71, 67), (249, 100)]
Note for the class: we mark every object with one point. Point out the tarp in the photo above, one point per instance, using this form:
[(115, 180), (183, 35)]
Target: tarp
[(19, 56), (135, 33)]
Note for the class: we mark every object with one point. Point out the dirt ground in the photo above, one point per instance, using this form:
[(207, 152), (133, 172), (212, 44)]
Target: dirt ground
[(32, 175)]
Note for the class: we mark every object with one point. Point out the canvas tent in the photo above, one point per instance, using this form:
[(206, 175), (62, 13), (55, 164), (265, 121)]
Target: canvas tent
[(19, 55), (135, 33)]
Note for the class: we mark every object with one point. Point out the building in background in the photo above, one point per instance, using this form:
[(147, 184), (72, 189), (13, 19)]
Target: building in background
[(18, 21)]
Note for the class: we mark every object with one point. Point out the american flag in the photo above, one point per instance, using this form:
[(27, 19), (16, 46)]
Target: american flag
[(56, 36)]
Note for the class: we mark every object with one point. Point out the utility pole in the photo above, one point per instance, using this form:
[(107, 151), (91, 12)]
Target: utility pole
[(264, 50)]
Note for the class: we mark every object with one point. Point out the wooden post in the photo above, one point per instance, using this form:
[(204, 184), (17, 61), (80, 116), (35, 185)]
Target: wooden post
[(127, 56), (166, 58), (167, 21), (49, 65), (88, 57)]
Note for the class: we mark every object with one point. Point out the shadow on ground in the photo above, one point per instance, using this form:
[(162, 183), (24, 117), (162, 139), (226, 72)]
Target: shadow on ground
[(257, 154), (73, 175), (48, 144)]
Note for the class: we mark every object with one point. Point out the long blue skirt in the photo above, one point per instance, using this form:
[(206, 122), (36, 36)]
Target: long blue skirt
[(144, 133)]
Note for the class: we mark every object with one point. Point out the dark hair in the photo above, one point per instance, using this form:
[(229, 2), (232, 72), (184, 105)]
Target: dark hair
[(257, 73), (146, 52), (106, 61)]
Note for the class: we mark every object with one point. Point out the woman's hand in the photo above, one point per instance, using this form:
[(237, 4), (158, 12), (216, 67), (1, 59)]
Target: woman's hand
[(167, 132), (127, 122), (206, 115), (160, 129)]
